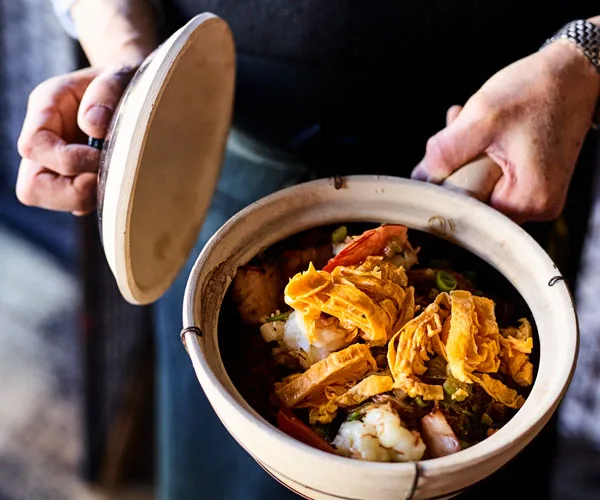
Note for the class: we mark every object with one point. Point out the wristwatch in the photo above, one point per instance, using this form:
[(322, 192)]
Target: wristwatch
[(585, 35)]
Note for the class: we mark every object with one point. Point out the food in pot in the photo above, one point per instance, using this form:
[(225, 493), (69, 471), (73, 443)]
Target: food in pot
[(371, 355)]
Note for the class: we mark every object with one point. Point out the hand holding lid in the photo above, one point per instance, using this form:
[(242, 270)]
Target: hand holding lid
[(162, 157)]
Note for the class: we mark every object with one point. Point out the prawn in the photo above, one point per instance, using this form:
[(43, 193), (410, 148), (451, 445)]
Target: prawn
[(438, 435), (371, 242), (381, 436)]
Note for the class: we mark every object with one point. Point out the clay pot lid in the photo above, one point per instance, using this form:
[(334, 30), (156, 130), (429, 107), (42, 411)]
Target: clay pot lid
[(162, 157)]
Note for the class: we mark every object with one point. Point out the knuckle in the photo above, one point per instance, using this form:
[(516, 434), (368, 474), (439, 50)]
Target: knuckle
[(79, 204), (82, 196), (84, 190), (482, 104), (432, 147), (549, 210), (544, 206), (438, 150), (24, 146), (554, 212), (26, 193), (539, 203), (121, 75), (485, 108), (41, 89), (107, 89), (64, 162), (35, 93)]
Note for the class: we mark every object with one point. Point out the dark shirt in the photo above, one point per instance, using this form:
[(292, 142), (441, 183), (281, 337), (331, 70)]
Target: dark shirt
[(377, 74)]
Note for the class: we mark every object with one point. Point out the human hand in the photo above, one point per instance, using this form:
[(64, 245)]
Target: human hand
[(58, 170), (531, 118)]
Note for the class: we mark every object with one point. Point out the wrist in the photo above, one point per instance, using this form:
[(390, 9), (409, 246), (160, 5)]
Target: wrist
[(574, 51), (595, 20), (568, 57), (115, 32), (130, 53)]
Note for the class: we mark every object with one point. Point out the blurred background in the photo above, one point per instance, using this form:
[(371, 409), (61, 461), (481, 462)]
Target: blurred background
[(75, 359), (76, 377)]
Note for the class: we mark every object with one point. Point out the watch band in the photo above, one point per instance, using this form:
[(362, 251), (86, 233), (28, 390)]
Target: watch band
[(584, 35)]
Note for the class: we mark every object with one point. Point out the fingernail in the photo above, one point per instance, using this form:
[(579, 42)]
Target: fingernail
[(98, 116), (419, 173)]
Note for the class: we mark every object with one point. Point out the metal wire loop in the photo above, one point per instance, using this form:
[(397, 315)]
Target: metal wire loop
[(413, 486), (553, 281)]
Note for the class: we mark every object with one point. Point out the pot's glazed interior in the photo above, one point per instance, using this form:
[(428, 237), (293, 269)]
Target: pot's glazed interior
[(425, 207)]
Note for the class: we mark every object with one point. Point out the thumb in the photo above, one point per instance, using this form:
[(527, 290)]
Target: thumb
[(467, 135), (452, 113), (100, 100)]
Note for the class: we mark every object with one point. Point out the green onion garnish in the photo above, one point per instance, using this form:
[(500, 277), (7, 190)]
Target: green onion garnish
[(487, 420), (277, 317), (445, 281), (355, 415), (339, 235), (451, 385), (420, 402)]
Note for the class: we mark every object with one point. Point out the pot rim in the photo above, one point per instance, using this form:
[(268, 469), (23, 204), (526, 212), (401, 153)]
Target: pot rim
[(524, 422)]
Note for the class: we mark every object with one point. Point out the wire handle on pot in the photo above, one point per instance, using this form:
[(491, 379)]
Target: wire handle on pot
[(477, 178)]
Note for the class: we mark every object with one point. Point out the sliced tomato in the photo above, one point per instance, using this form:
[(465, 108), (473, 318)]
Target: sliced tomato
[(294, 427), (371, 242)]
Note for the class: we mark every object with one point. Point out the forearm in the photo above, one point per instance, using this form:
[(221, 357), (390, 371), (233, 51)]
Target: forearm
[(115, 32)]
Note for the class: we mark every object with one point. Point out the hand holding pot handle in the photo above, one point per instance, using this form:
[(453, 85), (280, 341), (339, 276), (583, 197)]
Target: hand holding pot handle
[(477, 178)]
